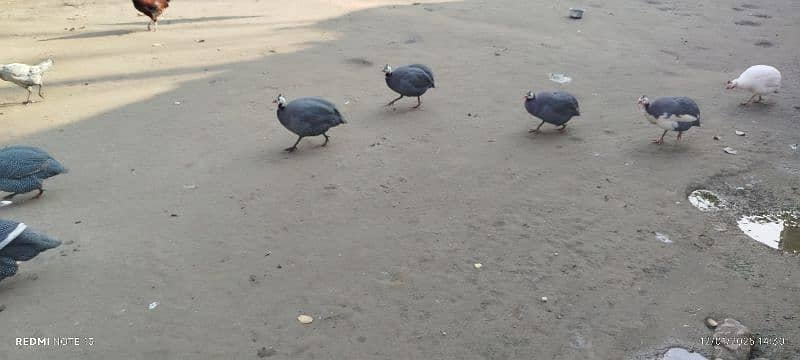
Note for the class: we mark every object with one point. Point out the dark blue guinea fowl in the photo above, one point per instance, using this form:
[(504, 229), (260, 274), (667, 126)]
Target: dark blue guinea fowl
[(671, 113), (308, 116), (24, 168), (18, 243), (410, 80), (552, 107)]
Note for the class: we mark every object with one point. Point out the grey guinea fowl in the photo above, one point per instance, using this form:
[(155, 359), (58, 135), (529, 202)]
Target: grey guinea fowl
[(24, 168), (671, 113), (410, 80), (308, 116), (553, 107), (18, 243)]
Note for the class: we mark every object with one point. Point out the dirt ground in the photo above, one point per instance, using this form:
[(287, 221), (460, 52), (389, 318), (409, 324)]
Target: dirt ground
[(179, 192)]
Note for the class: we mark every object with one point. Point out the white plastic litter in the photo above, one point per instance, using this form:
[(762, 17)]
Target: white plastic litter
[(663, 238), (560, 78)]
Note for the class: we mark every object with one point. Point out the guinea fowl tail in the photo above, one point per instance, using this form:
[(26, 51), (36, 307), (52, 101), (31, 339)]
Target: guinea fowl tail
[(45, 65)]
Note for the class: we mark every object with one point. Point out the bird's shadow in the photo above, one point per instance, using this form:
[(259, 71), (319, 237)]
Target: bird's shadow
[(401, 109), (94, 34), (188, 21), (9, 104), (671, 146)]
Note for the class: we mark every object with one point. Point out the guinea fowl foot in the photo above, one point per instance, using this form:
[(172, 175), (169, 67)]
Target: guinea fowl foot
[(41, 191), (9, 196), (562, 129), (290, 149), (326, 140), (658, 141), (533, 131)]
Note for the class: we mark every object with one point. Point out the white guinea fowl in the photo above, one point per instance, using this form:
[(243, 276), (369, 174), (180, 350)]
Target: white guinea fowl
[(759, 80)]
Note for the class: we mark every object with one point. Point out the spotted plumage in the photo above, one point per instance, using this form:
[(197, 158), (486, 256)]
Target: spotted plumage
[(671, 113), (19, 243), (412, 80), (308, 116), (24, 168), (552, 107)]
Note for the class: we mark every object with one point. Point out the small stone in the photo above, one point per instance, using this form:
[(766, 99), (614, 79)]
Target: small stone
[(730, 150), (738, 347), (711, 323), (740, 133), (305, 319), (544, 299), (2, 308), (264, 352), (478, 265), (716, 137)]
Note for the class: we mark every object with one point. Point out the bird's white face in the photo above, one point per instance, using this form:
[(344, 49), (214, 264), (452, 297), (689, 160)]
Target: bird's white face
[(280, 100), (387, 69), (530, 95), (643, 101)]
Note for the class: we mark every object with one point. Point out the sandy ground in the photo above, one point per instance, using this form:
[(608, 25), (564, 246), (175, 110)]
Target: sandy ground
[(179, 191)]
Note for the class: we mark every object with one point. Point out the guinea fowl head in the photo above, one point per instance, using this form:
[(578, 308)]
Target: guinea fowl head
[(644, 102), (280, 100), (530, 96), (387, 69), (731, 84)]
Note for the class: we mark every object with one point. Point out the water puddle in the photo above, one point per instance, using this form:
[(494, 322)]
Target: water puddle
[(705, 200), (677, 353), (779, 230)]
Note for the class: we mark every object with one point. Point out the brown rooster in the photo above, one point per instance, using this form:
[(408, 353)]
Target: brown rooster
[(153, 9)]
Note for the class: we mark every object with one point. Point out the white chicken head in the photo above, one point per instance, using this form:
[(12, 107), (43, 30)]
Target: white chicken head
[(530, 95), (731, 84), (387, 69)]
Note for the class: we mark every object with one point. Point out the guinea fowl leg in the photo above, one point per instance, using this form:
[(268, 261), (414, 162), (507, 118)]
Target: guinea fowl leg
[(750, 99), (563, 128), (9, 196), (393, 101), (149, 25), (679, 135), (326, 140), (760, 99), (660, 140), (40, 91), (294, 147), (155, 25), (41, 191), (419, 103), (534, 131)]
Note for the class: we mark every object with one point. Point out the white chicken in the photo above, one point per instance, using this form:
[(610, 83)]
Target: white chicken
[(759, 80), (26, 76)]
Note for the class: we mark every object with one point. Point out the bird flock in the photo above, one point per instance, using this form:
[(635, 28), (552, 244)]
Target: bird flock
[(24, 168)]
